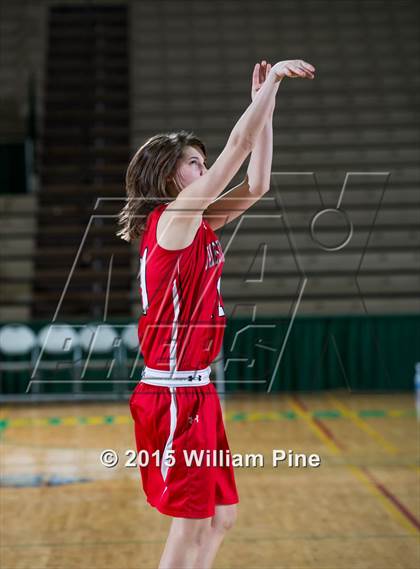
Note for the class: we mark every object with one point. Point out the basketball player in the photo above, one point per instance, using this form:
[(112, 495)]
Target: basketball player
[(174, 206)]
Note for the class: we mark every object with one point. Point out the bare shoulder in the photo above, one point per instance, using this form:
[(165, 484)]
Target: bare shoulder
[(177, 227)]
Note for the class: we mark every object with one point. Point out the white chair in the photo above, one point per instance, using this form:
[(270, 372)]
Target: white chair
[(100, 344), (60, 341), (58, 338), (130, 337), (98, 338), (16, 339)]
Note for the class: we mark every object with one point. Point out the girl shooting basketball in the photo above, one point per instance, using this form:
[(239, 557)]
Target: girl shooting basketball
[(175, 205)]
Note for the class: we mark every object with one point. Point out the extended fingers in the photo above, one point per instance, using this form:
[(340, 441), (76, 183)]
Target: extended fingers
[(256, 76), (291, 70), (262, 71), (300, 68), (307, 67)]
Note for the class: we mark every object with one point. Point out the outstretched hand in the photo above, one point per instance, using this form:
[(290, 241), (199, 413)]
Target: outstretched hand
[(293, 68), (259, 75)]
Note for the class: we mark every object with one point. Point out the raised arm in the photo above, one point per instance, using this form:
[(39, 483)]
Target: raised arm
[(185, 212), (259, 167), (233, 203)]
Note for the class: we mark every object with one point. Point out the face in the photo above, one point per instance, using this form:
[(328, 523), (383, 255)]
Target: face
[(190, 167)]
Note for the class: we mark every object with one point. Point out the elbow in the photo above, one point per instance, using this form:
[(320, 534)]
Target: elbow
[(259, 189)]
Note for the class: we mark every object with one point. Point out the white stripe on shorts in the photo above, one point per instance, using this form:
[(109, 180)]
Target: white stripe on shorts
[(173, 419)]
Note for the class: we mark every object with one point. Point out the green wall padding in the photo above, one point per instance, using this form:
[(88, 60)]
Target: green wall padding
[(351, 352), (357, 353)]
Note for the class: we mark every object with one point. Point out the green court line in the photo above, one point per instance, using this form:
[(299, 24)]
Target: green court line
[(372, 413), (54, 420), (254, 416), (329, 414)]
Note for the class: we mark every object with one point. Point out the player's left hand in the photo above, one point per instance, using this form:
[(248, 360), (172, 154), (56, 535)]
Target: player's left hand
[(259, 75)]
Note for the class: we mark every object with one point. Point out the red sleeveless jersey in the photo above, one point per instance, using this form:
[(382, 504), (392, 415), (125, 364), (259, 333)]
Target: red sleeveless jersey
[(183, 320)]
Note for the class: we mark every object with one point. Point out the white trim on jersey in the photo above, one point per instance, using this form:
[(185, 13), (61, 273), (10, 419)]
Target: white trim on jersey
[(174, 335), (143, 286), (221, 312)]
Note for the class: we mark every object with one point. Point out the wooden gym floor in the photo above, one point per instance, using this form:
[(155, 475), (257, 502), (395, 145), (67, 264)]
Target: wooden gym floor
[(61, 509)]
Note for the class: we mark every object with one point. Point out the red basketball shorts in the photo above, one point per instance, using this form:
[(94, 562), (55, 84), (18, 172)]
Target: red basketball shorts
[(175, 421)]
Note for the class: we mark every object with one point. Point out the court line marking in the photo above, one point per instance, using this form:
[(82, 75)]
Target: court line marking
[(392, 505), (346, 411), (235, 416)]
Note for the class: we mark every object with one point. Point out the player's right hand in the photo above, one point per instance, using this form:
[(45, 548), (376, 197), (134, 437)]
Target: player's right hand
[(293, 68)]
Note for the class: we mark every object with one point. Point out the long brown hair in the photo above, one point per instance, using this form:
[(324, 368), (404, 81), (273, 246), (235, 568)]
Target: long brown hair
[(146, 179)]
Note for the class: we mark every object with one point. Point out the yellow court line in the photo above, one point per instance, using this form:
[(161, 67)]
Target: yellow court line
[(228, 415), (347, 412), (313, 426), (95, 420), (19, 422), (365, 427), (391, 509), (396, 412), (70, 421), (122, 419), (356, 471), (67, 421)]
